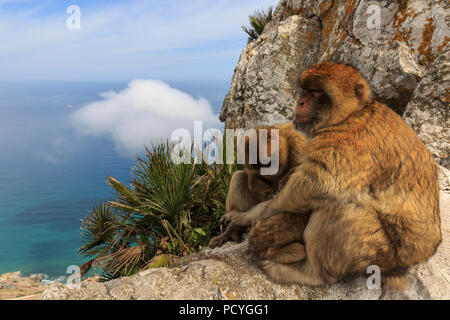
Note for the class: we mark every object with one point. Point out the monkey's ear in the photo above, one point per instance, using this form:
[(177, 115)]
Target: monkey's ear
[(362, 92)]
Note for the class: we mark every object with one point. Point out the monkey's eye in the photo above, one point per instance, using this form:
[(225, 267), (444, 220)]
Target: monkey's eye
[(313, 91)]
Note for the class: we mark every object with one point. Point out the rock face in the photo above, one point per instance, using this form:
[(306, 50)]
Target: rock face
[(14, 286), (264, 82), (428, 112), (231, 272), (444, 179), (400, 46)]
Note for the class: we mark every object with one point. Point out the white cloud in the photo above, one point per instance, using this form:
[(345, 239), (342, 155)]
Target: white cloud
[(148, 110)]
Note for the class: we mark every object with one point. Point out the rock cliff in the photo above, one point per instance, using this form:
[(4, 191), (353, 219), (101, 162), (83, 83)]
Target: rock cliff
[(400, 46)]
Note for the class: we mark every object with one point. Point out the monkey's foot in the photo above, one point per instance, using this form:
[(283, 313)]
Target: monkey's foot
[(217, 241), (300, 273), (240, 220), (273, 270), (293, 252)]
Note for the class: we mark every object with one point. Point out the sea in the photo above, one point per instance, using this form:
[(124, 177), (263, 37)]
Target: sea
[(50, 175)]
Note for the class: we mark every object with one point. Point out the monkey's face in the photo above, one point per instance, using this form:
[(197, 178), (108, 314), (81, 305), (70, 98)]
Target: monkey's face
[(252, 155), (264, 150), (331, 92), (263, 186), (309, 110), (267, 150)]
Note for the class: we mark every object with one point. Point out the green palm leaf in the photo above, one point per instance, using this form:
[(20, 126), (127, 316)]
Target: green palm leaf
[(168, 210), (98, 229), (258, 20)]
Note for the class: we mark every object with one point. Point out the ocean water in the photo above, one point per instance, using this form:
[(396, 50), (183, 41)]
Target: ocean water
[(50, 175)]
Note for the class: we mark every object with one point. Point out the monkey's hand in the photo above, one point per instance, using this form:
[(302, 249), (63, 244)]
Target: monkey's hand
[(227, 218), (216, 241), (232, 233), (245, 219)]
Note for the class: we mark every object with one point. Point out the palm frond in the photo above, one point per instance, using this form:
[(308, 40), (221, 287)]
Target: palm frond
[(168, 210), (98, 229), (161, 261), (126, 195), (123, 260)]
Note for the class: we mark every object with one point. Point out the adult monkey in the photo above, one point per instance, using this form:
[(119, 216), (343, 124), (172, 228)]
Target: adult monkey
[(368, 181)]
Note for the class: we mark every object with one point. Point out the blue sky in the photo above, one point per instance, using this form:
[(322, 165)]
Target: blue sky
[(123, 40)]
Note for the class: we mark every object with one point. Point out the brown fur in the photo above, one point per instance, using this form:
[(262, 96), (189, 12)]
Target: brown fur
[(250, 192), (367, 180), (279, 238), (291, 144)]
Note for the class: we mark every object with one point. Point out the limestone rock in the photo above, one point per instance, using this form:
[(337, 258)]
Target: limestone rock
[(400, 46), (428, 112), (15, 286), (392, 43), (222, 273), (264, 83), (444, 179)]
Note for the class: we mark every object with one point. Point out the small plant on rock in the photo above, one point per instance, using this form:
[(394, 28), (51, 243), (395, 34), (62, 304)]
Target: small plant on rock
[(258, 21)]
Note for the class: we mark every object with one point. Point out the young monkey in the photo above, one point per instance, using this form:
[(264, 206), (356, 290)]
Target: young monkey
[(250, 191)]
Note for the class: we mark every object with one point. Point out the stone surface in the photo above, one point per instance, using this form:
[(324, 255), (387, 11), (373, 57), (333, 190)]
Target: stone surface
[(15, 286), (404, 58), (444, 179), (393, 55), (428, 112), (264, 83), (231, 272)]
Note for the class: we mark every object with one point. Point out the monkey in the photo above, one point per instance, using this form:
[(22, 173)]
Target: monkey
[(366, 180), (288, 149), (243, 196), (249, 191), (248, 187), (278, 238)]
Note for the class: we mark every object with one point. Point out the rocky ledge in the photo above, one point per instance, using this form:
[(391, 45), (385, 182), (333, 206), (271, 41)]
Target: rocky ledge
[(14, 286)]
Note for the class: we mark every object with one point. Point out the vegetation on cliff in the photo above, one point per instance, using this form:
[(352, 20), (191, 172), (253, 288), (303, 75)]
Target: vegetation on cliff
[(258, 20), (167, 211)]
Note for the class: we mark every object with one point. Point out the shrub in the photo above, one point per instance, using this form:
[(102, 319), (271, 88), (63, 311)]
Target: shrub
[(168, 211), (258, 21)]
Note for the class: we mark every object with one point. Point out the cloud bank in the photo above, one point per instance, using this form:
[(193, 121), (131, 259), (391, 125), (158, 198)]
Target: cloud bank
[(148, 110)]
